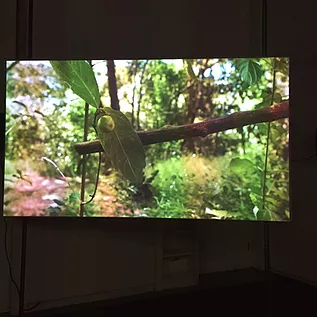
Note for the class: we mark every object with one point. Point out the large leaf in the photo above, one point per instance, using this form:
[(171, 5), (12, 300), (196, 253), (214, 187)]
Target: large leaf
[(81, 79), (250, 71), (122, 146), (241, 166)]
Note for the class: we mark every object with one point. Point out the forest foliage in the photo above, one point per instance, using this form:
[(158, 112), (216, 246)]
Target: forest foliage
[(239, 174)]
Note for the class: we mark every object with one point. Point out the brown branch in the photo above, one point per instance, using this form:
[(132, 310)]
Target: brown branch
[(202, 129)]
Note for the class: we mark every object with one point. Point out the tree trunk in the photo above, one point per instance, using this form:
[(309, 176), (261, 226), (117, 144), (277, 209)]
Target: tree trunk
[(135, 71), (140, 97), (112, 82)]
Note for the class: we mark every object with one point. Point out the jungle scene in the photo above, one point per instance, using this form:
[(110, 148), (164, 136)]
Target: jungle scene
[(204, 138)]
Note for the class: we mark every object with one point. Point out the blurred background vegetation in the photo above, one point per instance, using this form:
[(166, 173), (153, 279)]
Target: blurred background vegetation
[(217, 177)]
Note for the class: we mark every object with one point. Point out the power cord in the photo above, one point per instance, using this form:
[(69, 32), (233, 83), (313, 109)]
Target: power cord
[(7, 255), (10, 265)]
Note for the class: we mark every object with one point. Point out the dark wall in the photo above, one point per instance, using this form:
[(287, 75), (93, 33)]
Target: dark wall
[(292, 32), (82, 261)]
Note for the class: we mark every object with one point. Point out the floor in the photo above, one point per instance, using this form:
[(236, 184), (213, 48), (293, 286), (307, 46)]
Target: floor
[(273, 296)]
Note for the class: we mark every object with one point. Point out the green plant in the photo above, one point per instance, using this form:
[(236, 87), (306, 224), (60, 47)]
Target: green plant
[(220, 176)]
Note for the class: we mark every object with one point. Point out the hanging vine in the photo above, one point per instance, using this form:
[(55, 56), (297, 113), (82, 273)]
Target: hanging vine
[(267, 144)]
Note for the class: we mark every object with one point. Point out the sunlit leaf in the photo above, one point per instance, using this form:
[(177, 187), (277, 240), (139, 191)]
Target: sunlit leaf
[(221, 214), (81, 79), (250, 71), (241, 166), (123, 146)]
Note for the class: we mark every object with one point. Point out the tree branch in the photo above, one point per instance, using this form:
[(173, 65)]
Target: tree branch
[(202, 129)]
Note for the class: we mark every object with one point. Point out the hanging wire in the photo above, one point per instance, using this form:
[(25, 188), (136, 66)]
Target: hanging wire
[(7, 256)]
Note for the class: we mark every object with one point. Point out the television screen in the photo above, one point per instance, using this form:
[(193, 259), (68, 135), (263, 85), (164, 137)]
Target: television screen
[(201, 138)]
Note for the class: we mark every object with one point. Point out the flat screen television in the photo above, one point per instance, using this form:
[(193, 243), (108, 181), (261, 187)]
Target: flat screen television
[(201, 138)]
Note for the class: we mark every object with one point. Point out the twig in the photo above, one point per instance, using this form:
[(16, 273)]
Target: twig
[(12, 65), (57, 168), (202, 129)]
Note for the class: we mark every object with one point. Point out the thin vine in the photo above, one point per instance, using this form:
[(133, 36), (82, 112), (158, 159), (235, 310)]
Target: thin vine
[(92, 196), (268, 142)]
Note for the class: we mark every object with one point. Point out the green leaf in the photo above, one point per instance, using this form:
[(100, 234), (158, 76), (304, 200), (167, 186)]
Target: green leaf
[(277, 98), (256, 199), (256, 190), (122, 146), (241, 166), (59, 202), (81, 79), (73, 197), (250, 71)]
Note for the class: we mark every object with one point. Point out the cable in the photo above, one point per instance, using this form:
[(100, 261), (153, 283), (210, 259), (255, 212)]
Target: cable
[(7, 255), (32, 307), (10, 265)]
